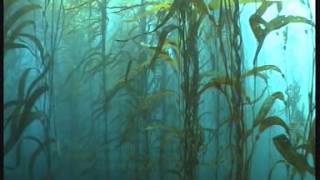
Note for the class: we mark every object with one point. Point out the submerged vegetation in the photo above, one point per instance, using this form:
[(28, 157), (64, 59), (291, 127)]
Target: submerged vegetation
[(158, 89)]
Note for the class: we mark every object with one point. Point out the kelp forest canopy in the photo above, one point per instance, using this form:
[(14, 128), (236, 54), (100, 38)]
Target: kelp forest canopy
[(159, 89)]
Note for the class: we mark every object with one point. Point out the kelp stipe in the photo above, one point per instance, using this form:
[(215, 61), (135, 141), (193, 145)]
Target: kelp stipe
[(159, 89)]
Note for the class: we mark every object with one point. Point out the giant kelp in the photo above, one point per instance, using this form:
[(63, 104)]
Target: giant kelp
[(131, 101)]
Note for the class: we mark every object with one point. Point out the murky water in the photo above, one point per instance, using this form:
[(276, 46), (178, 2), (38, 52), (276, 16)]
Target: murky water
[(159, 89)]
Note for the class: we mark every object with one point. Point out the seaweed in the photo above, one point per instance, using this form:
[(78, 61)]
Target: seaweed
[(146, 89)]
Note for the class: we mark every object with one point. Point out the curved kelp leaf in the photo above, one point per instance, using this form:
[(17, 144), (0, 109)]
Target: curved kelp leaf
[(19, 150), (260, 69), (175, 6), (148, 102), (15, 33), (38, 79), (36, 42), (15, 114), (262, 28), (34, 97), (165, 53), (22, 83), (13, 45), (281, 21), (267, 105), (284, 146), (108, 96), (162, 38), (217, 83), (17, 130), (23, 120), (97, 65), (18, 15), (21, 98), (41, 147), (271, 121), (11, 103)]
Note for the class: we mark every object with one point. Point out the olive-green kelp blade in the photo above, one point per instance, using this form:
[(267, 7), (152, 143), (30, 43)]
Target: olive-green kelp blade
[(296, 159)]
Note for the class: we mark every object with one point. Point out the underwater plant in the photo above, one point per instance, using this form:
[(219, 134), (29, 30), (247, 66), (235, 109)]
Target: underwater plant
[(297, 146), (153, 89), (15, 25), (25, 109)]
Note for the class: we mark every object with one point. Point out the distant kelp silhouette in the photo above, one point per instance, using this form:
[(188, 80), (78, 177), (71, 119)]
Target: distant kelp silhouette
[(24, 110), (169, 93)]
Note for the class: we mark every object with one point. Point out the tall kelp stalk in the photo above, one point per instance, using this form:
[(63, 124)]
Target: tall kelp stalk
[(228, 60), (95, 64), (217, 117), (104, 20), (164, 116), (148, 90), (141, 86), (97, 61), (26, 107), (189, 22), (190, 16), (134, 109), (52, 38), (233, 81), (145, 88), (138, 89), (92, 65), (230, 50), (233, 68)]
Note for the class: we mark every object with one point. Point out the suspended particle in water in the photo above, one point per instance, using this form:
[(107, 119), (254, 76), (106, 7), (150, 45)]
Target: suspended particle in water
[(285, 38), (284, 47)]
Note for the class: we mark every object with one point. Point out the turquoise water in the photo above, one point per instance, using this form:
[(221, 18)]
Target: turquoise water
[(166, 89)]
